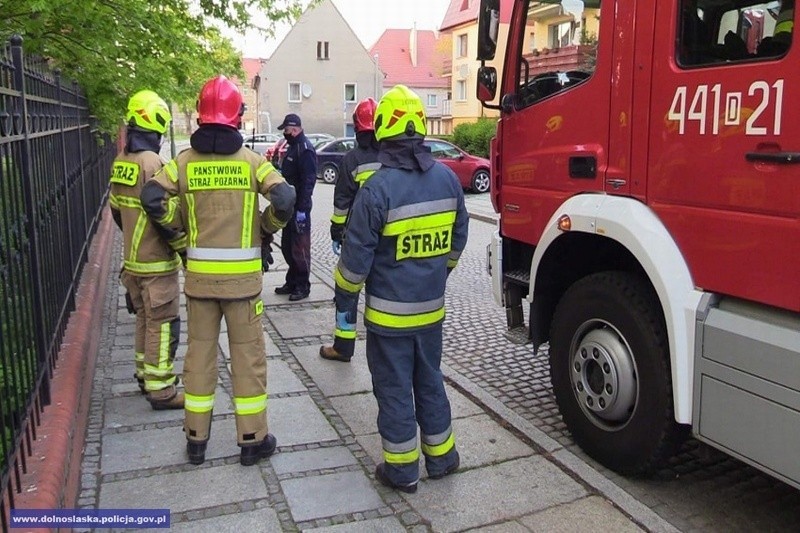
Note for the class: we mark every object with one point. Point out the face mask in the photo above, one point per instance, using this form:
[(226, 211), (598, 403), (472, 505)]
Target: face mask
[(288, 136)]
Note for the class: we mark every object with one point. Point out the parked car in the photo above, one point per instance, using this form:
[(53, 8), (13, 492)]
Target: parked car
[(318, 139), (277, 151), (259, 142), (472, 171), (329, 158)]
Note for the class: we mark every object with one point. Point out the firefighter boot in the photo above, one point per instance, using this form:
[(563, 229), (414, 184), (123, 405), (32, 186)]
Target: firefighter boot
[(383, 478), (167, 398), (140, 381), (447, 471), (254, 453), (330, 353), (196, 452)]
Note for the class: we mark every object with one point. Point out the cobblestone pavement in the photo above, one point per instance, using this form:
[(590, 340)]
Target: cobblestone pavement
[(703, 490)]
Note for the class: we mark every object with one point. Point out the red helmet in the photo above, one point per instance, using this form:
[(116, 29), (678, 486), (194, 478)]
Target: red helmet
[(364, 115), (220, 102)]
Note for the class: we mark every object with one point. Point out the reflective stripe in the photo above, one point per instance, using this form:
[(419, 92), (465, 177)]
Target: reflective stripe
[(362, 175), (403, 321), (157, 267), (192, 220), (156, 371), (127, 201), (250, 405), (153, 385), (172, 206), (343, 283), (403, 308), (198, 404), (247, 220), (344, 333), (454, 255), (223, 254), (136, 239), (451, 263), (421, 209), (163, 347), (171, 170), (339, 215), (263, 170), (366, 167), (179, 243), (219, 267), (112, 198), (437, 220), (439, 444), (400, 453)]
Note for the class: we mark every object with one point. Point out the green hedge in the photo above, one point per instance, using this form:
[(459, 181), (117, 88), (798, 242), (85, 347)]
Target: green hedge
[(476, 136)]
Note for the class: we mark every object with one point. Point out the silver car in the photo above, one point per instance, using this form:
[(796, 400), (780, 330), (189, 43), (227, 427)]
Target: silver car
[(259, 142)]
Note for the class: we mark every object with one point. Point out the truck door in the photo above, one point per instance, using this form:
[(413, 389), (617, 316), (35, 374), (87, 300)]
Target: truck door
[(561, 78), (724, 144)]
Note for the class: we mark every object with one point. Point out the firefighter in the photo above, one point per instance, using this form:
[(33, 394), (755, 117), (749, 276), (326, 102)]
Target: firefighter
[(357, 166), (405, 233), (784, 25), (150, 265), (209, 195), (299, 167)]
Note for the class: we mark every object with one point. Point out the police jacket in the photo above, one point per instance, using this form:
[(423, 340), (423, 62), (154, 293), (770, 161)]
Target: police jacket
[(208, 194), (145, 253), (407, 229), (299, 168), (357, 166)]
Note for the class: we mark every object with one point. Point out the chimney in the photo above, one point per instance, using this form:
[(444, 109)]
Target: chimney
[(412, 45)]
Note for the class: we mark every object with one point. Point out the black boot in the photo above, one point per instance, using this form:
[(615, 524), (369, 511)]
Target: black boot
[(380, 475), (253, 454), (196, 452)]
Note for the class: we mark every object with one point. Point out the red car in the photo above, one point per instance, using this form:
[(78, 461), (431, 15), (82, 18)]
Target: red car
[(472, 171)]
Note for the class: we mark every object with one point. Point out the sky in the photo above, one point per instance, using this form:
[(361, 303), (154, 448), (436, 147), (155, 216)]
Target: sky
[(367, 18)]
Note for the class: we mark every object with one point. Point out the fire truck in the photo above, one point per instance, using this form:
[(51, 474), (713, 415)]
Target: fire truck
[(645, 170)]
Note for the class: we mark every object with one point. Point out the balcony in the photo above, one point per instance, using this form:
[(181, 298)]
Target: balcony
[(447, 111), (574, 57)]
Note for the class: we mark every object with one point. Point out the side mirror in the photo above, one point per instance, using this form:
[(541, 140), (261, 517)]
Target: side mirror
[(488, 29), (487, 83)]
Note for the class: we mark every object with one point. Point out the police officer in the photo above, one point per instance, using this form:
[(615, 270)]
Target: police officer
[(357, 166), (150, 266), (406, 230), (209, 193), (299, 168)]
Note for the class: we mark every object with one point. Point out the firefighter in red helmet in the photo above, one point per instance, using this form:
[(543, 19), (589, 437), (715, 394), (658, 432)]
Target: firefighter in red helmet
[(357, 166), (208, 196)]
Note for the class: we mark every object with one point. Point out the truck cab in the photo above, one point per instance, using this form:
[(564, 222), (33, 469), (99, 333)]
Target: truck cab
[(645, 170)]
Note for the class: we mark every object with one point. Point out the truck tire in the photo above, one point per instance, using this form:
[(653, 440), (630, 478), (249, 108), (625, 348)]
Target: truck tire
[(610, 370)]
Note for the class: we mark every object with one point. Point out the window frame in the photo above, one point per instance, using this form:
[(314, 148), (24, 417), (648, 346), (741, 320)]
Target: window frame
[(433, 100), (354, 85), (462, 47), (299, 86)]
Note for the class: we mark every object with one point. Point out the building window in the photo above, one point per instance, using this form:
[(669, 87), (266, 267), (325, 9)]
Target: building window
[(433, 100), (322, 50), (294, 91), (350, 92), (461, 90), (559, 35), (462, 45)]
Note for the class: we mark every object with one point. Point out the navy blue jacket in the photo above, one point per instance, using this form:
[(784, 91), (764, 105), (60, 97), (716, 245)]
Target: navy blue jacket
[(299, 168)]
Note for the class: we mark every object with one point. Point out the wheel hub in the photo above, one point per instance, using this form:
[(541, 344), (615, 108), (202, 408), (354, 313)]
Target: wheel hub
[(603, 375)]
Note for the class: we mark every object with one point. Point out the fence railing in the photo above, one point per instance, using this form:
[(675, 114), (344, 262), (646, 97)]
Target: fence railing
[(54, 168)]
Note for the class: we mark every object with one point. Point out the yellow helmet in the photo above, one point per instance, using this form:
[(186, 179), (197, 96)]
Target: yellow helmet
[(400, 112), (148, 111)]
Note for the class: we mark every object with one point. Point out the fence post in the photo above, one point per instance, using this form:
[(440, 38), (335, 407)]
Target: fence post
[(60, 95), (30, 206), (86, 226)]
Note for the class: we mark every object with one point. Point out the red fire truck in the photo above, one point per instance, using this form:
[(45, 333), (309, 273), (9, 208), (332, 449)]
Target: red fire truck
[(645, 170)]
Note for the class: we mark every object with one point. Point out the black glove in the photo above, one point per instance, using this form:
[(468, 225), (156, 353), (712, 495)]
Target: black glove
[(129, 303), (182, 255), (266, 251)]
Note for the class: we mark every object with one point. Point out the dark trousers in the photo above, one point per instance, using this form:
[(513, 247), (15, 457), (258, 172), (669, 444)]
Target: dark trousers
[(296, 250), (409, 388)]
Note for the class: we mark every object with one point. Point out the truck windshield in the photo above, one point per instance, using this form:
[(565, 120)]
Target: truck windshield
[(559, 47)]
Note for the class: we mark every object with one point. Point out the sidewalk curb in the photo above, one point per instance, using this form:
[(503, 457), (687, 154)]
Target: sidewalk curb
[(54, 468)]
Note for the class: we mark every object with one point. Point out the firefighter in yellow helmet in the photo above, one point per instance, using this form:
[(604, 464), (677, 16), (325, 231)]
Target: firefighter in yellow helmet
[(405, 233), (150, 265), (210, 194)]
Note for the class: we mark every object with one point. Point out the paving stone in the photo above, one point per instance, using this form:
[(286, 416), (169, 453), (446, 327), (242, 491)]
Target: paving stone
[(281, 379), (592, 513), (126, 388), (484, 496), (130, 411), (140, 450), (259, 520), (122, 355), (511, 526), (186, 491), (315, 497), (389, 524), (318, 459), (298, 420), (334, 378), (319, 293), (125, 371)]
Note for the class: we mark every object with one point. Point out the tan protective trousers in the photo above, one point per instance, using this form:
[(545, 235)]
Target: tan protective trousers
[(156, 301), (248, 366)]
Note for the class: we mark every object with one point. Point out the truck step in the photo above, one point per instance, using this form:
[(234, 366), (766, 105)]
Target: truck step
[(518, 335), (520, 277)]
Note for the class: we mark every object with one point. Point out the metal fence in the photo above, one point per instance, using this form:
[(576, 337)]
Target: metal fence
[(54, 168)]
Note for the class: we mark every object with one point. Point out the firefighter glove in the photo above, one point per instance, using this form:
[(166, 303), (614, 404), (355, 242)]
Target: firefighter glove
[(343, 321), (336, 246), (266, 251), (129, 303)]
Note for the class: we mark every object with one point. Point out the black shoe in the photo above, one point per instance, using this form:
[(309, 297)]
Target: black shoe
[(253, 454), (284, 289), (196, 452), (449, 470), (380, 475), (140, 381), (298, 295), (330, 353)]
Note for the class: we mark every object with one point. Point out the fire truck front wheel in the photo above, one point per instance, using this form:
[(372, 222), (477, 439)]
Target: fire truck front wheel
[(609, 365)]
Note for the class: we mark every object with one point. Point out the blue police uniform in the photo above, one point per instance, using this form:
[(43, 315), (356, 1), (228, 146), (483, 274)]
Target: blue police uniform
[(406, 230)]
